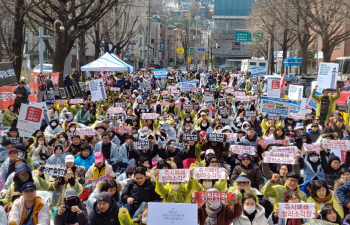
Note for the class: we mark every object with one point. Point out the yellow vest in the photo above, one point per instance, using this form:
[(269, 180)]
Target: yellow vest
[(97, 174)]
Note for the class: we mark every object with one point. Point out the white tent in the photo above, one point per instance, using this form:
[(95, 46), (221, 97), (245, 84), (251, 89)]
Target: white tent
[(130, 68), (105, 63)]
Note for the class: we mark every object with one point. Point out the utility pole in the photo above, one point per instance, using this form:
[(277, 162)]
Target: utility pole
[(148, 36), (42, 37)]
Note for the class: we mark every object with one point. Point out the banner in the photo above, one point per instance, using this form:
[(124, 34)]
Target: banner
[(211, 173), (279, 157), (275, 106), (123, 129), (7, 74), (295, 92), (296, 210), (115, 110), (336, 145), (94, 181), (312, 147), (140, 145), (76, 101), (174, 175), (29, 120), (213, 196), (187, 85), (7, 97), (172, 213), (241, 149), (327, 75), (97, 89), (258, 71), (239, 93), (273, 88), (59, 170), (245, 98), (295, 107), (86, 131), (216, 137), (268, 142), (289, 149), (149, 116)]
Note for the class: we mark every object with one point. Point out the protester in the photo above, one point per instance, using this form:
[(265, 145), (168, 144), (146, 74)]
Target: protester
[(253, 213), (105, 211), (22, 95)]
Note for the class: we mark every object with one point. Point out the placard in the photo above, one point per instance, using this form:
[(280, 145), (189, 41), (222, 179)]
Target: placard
[(120, 104), (250, 113), (275, 106), (246, 98), (274, 88), (272, 142), (97, 89), (279, 157), (164, 92), (239, 93), (213, 196), (231, 136), (214, 89), (140, 145), (160, 73), (312, 103), (29, 120), (86, 131), (195, 89), (172, 213), (143, 106), (273, 117), (207, 98), (224, 112), (187, 107), (216, 137), (177, 145), (94, 181), (62, 93), (241, 149), (258, 71), (149, 116), (210, 173), (7, 74), (288, 149), (295, 107), (174, 175), (312, 147), (297, 116), (155, 92), (187, 85), (123, 129), (189, 137), (229, 90), (59, 170), (115, 110), (295, 92), (61, 101), (336, 145), (327, 75), (114, 88), (296, 210)]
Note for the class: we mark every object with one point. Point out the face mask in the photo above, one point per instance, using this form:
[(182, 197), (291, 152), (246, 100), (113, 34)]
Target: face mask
[(187, 128), (289, 128), (72, 129), (24, 177), (314, 159), (304, 140), (135, 135), (188, 119), (204, 124), (207, 184), (214, 205), (249, 209), (62, 139), (175, 186), (41, 142), (53, 124), (72, 202), (204, 107), (144, 129), (144, 220)]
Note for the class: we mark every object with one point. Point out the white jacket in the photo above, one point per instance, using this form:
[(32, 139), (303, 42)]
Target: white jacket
[(15, 214), (259, 218), (3, 216)]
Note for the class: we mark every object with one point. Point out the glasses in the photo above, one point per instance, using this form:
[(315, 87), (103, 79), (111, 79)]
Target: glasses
[(214, 162), (293, 180)]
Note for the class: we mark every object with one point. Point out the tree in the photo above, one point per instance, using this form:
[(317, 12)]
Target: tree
[(77, 17)]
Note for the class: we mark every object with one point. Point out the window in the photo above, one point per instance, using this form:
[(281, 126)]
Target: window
[(170, 36), (170, 43), (170, 28), (252, 63), (262, 64), (152, 41)]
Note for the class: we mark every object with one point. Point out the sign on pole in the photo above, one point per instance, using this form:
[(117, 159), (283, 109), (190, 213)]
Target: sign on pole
[(273, 88)]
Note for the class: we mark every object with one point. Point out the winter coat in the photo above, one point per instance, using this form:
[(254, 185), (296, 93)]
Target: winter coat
[(225, 217), (4, 169), (3, 217), (259, 218), (308, 172), (8, 118), (85, 162), (109, 217), (86, 118), (24, 95), (268, 173), (54, 159), (143, 193), (82, 218), (221, 150), (332, 100), (170, 195), (114, 152), (94, 173), (342, 193), (49, 131), (67, 82), (40, 150), (18, 213), (337, 184), (332, 201), (249, 142), (253, 172)]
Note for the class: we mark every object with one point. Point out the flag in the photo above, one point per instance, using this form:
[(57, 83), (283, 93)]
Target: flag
[(283, 81)]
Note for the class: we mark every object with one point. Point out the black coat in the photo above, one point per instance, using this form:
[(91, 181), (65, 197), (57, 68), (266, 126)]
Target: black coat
[(144, 193), (109, 217), (21, 91)]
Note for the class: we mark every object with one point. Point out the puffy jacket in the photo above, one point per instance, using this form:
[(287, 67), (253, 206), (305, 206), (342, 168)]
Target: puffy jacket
[(234, 189), (8, 118), (332, 201), (342, 193), (94, 173), (81, 218), (259, 218), (253, 172), (338, 183), (86, 162), (40, 150), (49, 131), (181, 195), (110, 217), (114, 151), (41, 213)]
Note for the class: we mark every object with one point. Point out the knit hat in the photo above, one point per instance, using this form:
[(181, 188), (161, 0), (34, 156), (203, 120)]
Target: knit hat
[(246, 155), (104, 197), (70, 193), (143, 159), (333, 157)]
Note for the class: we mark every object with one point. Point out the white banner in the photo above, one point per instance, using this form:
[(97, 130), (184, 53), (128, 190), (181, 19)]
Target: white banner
[(211, 173), (29, 119), (174, 175), (288, 149), (327, 75), (295, 92), (296, 210), (312, 147), (279, 157), (241, 149), (97, 89), (86, 131), (172, 213)]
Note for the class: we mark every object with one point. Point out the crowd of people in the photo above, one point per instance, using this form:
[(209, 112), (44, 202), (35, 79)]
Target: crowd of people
[(107, 180)]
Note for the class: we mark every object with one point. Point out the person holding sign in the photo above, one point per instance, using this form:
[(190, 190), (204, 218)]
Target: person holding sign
[(241, 186), (325, 104), (99, 168), (53, 130), (253, 213)]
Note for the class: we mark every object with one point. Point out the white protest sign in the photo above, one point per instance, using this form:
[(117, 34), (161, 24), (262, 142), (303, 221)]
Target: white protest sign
[(43, 106), (149, 116), (231, 136), (298, 116), (211, 173), (114, 88), (76, 101), (97, 89), (86, 131), (174, 175), (279, 157), (29, 120), (312, 103), (239, 93), (241, 149), (327, 75), (296, 210), (336, 145), (273, 88), (295, 92), (312, 147), (172, 213), (245, 98), (115, 110), (288, 149)]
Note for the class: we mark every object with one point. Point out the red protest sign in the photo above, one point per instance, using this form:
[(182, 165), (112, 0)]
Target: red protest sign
[(33, 114), (123, 129), (94, 181), (213, 196), (61, 101)]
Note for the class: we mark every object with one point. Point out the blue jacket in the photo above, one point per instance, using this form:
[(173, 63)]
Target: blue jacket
[(121, 82), (114, 151), (123, 155), (79, 161), (341, 193), (311, 132), (309, 174), (67, 82)]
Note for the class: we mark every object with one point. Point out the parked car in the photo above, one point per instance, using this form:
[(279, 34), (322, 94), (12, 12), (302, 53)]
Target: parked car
[(344, 101), (303, 81)]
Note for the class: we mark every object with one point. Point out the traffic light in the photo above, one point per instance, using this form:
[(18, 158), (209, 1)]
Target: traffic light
[(236, 46), (203, 57)]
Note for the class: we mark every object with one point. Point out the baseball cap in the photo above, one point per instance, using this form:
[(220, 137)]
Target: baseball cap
[(28, 186), (209, 151), (69, 158), (202, 133), (245, 155), (106, 120), (70, 193), (13, 150), (98, 157), (104, 197)]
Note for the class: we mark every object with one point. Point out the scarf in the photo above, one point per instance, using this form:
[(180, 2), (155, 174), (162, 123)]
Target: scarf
[(294, 222), (324, 200), (212, 218)]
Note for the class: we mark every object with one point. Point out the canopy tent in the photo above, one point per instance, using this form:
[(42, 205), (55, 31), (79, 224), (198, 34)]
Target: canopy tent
[(130, 68), (105, 63)]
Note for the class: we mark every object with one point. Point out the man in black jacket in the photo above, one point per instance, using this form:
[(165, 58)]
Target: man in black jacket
[(105, 211), (21, 95)]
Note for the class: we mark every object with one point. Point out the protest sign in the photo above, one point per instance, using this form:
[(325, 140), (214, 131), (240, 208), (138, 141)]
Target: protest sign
[(273, 88), (239, 93), (213, 196), (86, 131), (312, 147), (43, 106), (207, 98), (120, 104), (7, 74), (164, 92), (295, 92), (195, 89), (312, 103), (297, 116), (97, 89), (175, 91), (267, 142), (149, 116), (94, 181), (210, 173), (250, 113), (273, 117), (61, 101), (229, 90), (327, 75), (295, 107), (296, 210), (245, 98), (258, 71), (177, 145), (189, 137), (59, 170), (288, 149), (231, 136), (160, 73), (174, 175), (172, 213), (140, 145), (187, 107), (115, 110), (216, 137), (114, 88), (336, 145), (29, 120), (155, 92), (241, 149), (76, 101), (62, 92), (123, 129), (222, 100), (187, 85), (224, 112), (143, 106), (13, 140), (275, 106), (214, 89), (279, 157)]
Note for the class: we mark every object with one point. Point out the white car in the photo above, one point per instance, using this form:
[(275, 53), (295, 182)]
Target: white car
[(47, 68)]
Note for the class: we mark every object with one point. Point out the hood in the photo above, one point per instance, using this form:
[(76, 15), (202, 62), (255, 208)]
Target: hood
[(333, 157), (16, 181), (227, 127), (22, 167), (245, 123), (72, 123), (166, 126), (346, 137)]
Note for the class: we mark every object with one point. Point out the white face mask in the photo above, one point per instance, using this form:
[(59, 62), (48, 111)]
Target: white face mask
[(289, 128), (249, 209), (314, 159), (207, 185), (188, 119), (53, 124), (135, 135), (214, 205), (41, 142), (175, 186), (62, 139), (144, 220), (187, 128), (72, 129), (204, 124), (304, 140)]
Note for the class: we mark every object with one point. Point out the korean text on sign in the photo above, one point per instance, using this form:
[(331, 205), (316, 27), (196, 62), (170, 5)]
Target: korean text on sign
[(174, 175), (33, 114), (241, 149), (115, 110), (213, 196), (149, 116), (210, 173), (296, 210), (279, 157), (312, 147), (267, 141), (289, 149), (338, 145), (86, 131)]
